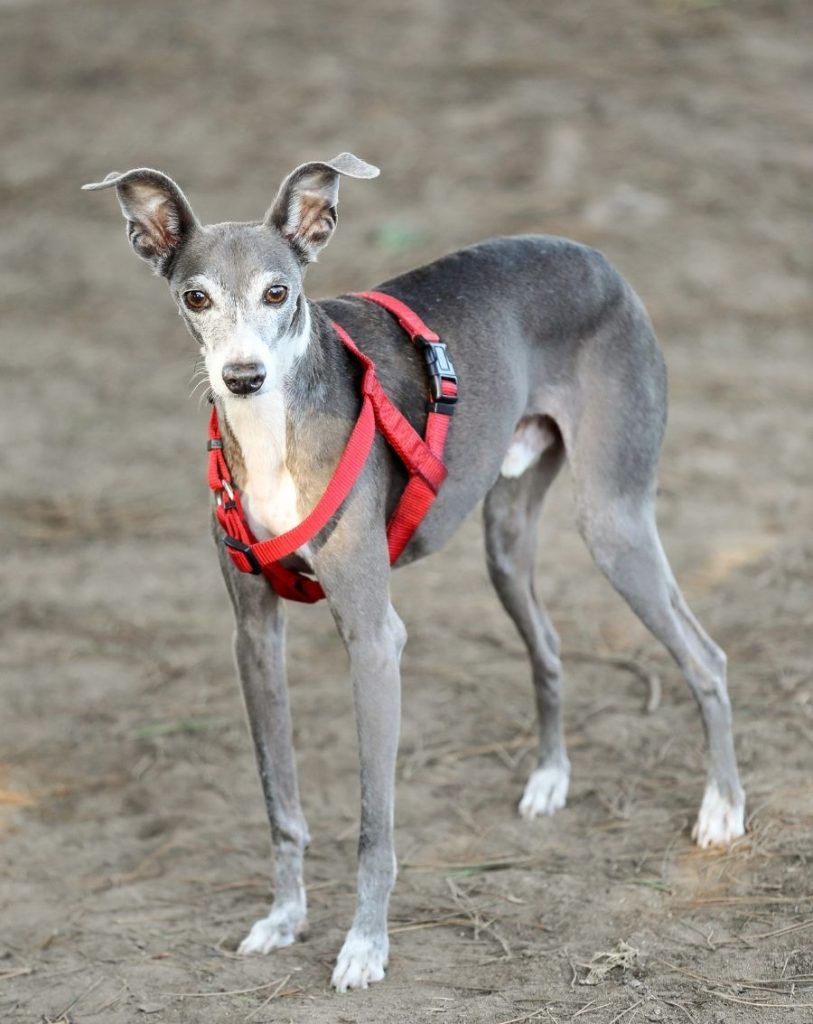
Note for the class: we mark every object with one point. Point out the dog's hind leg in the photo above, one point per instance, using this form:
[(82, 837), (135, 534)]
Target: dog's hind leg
[(511, 517), (259, 650), (613, 452), (623, 540)]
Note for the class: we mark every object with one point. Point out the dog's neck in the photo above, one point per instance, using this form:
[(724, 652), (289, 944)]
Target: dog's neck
[(256, 437), (261, 433)]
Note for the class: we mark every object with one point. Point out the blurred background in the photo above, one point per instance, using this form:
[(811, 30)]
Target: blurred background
[(676, 136)]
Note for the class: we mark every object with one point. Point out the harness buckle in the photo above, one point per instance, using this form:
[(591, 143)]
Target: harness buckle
[(439, 368), (245, 550), (445, 404)]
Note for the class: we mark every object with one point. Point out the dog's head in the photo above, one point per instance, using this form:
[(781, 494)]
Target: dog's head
[(238, 286)]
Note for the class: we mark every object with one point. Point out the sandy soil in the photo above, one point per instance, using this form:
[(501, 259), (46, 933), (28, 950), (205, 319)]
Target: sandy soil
[(678, 137)]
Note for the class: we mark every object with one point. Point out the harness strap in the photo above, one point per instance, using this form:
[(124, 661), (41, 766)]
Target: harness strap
[(423, 458), (251, 555), (419, 492), (407, 318)]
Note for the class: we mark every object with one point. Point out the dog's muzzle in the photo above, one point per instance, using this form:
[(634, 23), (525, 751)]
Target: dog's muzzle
[(243, 378)]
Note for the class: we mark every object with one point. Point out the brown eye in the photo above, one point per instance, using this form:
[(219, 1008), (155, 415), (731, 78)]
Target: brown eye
[(197, 300), (276, 294)]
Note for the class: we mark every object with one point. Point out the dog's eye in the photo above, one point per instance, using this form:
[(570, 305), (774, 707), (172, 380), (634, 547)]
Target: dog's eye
[(274, 295), (196, 300)]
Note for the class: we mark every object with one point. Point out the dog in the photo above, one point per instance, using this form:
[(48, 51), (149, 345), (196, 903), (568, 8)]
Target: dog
[(557, 360)]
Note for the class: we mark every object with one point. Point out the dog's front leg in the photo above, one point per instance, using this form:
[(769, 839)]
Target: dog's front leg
[(374, 637), (259, 649)]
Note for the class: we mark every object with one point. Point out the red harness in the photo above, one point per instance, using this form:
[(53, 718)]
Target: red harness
[(422, 457)]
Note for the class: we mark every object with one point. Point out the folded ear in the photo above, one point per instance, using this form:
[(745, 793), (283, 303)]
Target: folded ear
[(305, 208), (159, 217)]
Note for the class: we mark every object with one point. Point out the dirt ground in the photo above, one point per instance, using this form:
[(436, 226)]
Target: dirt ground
[(677, 136)]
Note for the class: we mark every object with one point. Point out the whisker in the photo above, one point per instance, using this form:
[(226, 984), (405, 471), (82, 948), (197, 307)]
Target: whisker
[(199, 366), (203, 382), (205, 396)]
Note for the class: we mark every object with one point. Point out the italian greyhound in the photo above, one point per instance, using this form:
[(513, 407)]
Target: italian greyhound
[(557, 360)]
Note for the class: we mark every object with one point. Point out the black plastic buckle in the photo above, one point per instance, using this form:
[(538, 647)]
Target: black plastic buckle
[(215, 443), (443, 405), (440, 369), (245, 550)]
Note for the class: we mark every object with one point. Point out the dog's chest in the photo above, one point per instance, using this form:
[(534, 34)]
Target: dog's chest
[(268, 490)]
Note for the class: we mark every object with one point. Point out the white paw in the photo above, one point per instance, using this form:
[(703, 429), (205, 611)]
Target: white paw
[(361, 961), (721, 820), (545, 791), (282, 927)]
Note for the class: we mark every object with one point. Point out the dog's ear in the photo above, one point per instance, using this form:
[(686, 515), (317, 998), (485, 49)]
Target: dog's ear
[(305, 208), (159, 217)]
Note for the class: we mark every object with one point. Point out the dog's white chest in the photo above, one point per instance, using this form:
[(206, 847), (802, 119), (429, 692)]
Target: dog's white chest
[(271, 504), (269, 493)]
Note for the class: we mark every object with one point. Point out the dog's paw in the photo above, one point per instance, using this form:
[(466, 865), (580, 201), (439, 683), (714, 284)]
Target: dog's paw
[(721, 819), (361, 961), (545, 792), (282, 927)]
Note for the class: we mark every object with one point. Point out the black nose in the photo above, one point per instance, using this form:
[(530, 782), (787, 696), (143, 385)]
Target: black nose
[(243, 378)]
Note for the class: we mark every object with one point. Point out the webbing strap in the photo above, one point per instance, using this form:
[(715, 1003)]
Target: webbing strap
[(418, 496), (406, 317)]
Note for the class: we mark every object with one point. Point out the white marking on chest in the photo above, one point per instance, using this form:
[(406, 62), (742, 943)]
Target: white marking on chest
[(258, 423), (269, 494)]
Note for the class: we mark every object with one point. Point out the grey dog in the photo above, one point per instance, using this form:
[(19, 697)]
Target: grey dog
[(557, 359)]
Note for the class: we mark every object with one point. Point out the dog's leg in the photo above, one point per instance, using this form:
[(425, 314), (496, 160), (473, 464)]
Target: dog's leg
[(259, 648), (612, 424), (374, 642), (357, 589), (623, 539), (511, 517)]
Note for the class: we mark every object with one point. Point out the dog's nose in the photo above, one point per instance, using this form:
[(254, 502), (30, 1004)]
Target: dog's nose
[(243, 378)]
